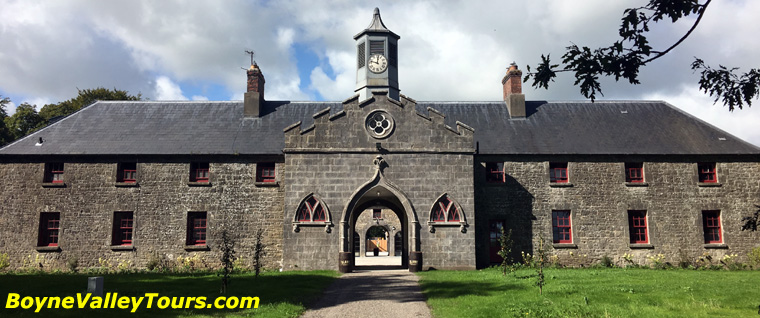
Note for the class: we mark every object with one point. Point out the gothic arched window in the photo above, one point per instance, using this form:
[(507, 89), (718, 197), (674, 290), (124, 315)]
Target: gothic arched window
[(446, 211), (312, 211)]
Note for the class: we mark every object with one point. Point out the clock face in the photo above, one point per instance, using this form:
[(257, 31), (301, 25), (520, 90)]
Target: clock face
[(377, 63)]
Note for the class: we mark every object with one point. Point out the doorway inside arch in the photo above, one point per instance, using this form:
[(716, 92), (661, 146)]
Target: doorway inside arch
[(378, 239)]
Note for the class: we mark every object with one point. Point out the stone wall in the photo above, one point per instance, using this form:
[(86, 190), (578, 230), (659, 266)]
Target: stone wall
[(599, 200), (160, 205), (334, 158), (335, 177)]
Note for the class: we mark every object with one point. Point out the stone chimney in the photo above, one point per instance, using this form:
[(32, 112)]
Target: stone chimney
[(513, 95), (254, 97)]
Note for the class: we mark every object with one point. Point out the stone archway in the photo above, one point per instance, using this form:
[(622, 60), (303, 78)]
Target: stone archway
[(379, 192)]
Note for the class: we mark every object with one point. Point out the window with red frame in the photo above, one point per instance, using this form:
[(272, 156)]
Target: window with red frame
[(634, 172), (495, 172), (265, 172), (558, 172), (707, 172), (49, 227), (311, 211), (196, 228), (54, 172), (445, 210), (711, 224), (561, 227), (199, 172), (127, 172), (637, 226), (377, 214), (122, 228)]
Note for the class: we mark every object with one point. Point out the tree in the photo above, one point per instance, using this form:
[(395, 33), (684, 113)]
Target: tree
[(24, 121), (5, 134), (85, 98), (505, 249), (625, 57), (752, 222)]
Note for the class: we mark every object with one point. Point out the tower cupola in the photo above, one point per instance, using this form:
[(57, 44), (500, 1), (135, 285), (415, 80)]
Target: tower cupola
[(377, 59)]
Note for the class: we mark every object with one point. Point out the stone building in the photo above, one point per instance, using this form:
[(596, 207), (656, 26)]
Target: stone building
[(128, 181)]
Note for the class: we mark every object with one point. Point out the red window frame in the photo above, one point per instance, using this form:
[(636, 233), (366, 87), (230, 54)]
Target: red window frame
[(637, 226), (711, 226), (377, 214), (558, 172), (707, 172), (123, 226), (312, 211), (561, 227), (495, 172), (265, 172), (54, 172), (50, 223), (197, 224), (127, 172), (634, 172), (199, 172), (445, 211)]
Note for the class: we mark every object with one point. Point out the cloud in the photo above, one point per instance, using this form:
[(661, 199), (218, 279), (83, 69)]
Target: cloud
[(10, 108), (199, 97), (168, 90), (345, 76), (449, 50)]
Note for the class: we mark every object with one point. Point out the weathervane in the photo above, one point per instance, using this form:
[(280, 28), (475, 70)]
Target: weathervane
[(251, 53)]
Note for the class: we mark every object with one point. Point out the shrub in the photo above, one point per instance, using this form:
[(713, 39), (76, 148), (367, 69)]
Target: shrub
[(227, 258), (628, 258), (258, 252), (527, 260), (606, 261), (73, 264), (754, 257), (4, 261), (731, 262), (658, 261)]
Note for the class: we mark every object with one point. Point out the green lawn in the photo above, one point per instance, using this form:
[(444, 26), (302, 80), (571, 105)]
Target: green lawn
[(610, 292), (281, 294)]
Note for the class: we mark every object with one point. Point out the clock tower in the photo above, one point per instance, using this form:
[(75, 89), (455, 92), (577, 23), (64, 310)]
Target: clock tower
[(377, 60)]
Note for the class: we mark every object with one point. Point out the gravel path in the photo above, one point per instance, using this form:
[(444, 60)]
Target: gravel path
[(366, 293)]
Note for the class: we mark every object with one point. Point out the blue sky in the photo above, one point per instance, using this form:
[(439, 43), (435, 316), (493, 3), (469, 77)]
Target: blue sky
[(448, 51)]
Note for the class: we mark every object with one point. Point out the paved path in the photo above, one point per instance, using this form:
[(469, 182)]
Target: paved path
[(367, 293)]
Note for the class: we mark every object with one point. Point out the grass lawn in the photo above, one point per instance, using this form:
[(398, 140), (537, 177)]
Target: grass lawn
[(281, 294), (613, 292)]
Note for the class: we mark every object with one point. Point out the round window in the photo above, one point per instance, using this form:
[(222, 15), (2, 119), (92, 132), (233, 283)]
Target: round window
[(379, 124)]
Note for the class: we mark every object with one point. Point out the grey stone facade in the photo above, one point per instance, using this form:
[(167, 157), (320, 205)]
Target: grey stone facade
[(160, 203), (336, 159), (599, 200), (423, 163)]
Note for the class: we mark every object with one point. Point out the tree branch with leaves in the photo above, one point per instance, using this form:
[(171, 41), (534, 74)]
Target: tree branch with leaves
[(625, 57)]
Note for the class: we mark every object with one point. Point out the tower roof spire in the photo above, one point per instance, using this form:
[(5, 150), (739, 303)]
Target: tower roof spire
[(377, 26)]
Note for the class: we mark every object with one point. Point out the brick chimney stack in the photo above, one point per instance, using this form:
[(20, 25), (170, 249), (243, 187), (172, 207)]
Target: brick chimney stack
[(513, 95), (254, 97)]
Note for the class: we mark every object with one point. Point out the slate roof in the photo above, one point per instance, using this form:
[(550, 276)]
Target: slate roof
[(210, 127)]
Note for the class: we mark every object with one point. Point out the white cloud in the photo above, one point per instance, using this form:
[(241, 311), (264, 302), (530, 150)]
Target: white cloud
[(449, 50), (199, 97), (10, 108), (345, 76), (166, 89)]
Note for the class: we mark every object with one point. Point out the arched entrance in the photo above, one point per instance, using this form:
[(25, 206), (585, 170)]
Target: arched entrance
[(379, 193)]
